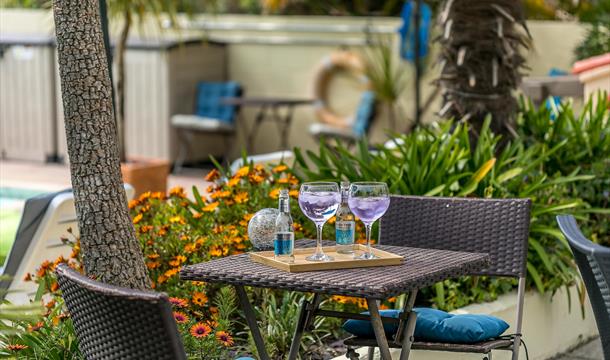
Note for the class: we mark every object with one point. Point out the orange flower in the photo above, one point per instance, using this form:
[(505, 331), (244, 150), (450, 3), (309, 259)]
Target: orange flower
[(179, 259), (220, 194), (153, 256), (190, 248), (241, 197), (294, 193), (197, 215), (144, 196), (157, 195), (200, 330), (256, 179), (233, 182), (211, 207), (275, 193), (215, 251), (50, 304), (36, 326), (54, 286), (242, 172), (184, 237), (177, 191), (171, 272), (162, 232), (153, 264), (199, 298), (212, 175), (280, 168), (16, 347), (161, 279), (137, 218), (133, 203), (178, 302), (145, 228), (180, 317), (28, 277), (224, 338), (44, 267), (212, 323), (247, 217)]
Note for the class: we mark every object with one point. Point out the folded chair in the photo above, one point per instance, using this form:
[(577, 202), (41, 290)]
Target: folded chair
[(211, 116), (593, 261), (118, 323), (360, 124), (498, 227)]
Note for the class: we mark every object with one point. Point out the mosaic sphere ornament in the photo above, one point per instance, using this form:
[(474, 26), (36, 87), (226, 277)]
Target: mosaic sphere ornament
[(261, 229)]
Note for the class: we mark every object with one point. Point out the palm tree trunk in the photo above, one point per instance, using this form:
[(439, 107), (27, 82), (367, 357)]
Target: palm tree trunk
[(111, 251), (120, 84)]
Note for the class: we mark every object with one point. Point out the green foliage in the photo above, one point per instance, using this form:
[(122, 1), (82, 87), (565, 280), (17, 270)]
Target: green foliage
[(596, 42), (561, 165)]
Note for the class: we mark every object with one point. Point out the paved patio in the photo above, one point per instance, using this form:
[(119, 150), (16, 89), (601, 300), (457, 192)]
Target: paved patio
[(55, 177), (589, 351)]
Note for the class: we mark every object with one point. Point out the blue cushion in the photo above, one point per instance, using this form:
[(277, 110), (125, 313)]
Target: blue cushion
[(364, 113), (438, 326), (209, 96)]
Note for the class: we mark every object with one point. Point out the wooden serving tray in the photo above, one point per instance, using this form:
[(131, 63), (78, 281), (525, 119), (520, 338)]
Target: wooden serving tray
[(342, 261)]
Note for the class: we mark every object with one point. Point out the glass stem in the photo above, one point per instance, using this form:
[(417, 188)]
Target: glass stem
[(368, 238), (319, 242)]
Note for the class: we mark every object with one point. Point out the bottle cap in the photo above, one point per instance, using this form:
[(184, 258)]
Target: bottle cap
[(344, 184), (284, 193)]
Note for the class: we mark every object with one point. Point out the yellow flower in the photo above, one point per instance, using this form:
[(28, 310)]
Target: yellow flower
[(242, 197), (197, 215), (256, 179), (247, 217), (233, 182), (215, 251), (157, 195), (153, 264), (242, 172), (220, 194), (211, 207), (137, 218), (161, 279), (144, 196), (283, 180), (133, 203), (177, 219), (153, 256), (275, 193), (294, 193), (280, 168), (189, 248)]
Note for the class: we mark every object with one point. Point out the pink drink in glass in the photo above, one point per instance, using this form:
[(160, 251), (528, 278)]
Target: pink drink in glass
[(319, 206), (369, 209)]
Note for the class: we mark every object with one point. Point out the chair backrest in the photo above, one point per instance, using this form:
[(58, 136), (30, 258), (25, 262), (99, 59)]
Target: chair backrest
[(118, 323), (593, 261), (364, 114), (498, 227), (209, 96)]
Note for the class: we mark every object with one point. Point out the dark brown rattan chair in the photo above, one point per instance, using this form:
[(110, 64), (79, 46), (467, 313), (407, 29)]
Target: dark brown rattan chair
[(498, 227), (119, 323), (593, 261)]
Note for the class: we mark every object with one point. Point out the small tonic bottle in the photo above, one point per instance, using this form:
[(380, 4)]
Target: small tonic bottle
[(345, 226), (284, 232)]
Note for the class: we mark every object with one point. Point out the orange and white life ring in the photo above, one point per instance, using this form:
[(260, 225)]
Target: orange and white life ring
[(329, 66)]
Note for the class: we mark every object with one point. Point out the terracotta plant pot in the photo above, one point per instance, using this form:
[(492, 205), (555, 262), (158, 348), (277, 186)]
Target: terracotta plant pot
[(146, 174)]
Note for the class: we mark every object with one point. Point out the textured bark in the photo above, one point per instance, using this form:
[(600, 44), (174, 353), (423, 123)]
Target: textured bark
[(120, 85), (111, 251)]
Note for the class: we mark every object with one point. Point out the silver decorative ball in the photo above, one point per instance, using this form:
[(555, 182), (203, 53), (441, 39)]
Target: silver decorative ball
[(261, 229)]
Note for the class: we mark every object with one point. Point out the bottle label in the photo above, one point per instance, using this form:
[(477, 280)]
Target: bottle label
[(345, 232), (283, 243)]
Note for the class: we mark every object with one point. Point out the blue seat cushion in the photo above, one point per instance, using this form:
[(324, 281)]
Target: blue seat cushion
[(437, 326), (209, 100)]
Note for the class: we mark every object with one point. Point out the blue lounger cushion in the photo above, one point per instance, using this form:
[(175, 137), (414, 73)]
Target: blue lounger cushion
[(437, 326)]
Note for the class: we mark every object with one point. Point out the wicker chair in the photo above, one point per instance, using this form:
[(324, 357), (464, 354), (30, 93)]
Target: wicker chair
[(593, 260), (498, 227), (118, 323)]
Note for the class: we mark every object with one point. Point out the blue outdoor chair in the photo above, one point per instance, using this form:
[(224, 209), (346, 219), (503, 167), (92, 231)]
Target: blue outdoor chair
[(593, 261), (211, 116), (360, 126)]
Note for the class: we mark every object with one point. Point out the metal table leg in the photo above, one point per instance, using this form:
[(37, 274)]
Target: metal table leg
[(251, 320), (407, 328), (306, 317), (382, 341), (283, 124), (260, 117)]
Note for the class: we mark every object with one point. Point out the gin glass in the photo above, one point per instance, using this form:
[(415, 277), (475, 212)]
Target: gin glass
[(368, 201), (319, 202)]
